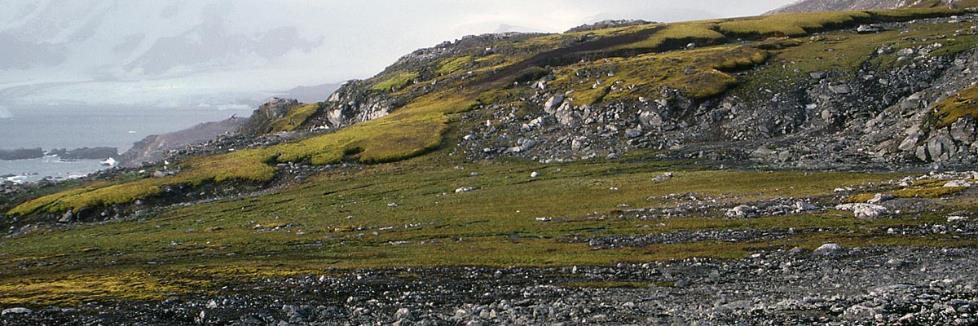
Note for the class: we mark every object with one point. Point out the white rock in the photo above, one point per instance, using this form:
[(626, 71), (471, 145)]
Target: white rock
[(804, 206), (957, 184), (541, 85), (955, 219), (551, 105), (15, 310), (463, 189), (211, 304), (863, 210), (534, 174), (860, 312), (402, 313), (663, 177), (879, 198), (828, 248), (740, 211)]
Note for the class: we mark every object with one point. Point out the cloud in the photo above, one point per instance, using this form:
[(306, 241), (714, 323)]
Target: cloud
[(5, 114)]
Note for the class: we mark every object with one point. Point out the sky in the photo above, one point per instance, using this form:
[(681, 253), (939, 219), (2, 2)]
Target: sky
[(214, 53)]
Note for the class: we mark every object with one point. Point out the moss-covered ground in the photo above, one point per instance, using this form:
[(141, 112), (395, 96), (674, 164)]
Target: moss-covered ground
[(408, 214)]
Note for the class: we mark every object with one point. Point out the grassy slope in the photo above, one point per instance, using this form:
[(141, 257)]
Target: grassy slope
[(343, 220)]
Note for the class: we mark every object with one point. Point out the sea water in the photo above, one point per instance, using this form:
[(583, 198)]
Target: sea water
[(50, 127)]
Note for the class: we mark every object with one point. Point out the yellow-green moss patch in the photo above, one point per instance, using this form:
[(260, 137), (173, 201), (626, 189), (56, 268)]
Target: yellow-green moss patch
[(698, 73), (451, 65), (397, 81), (295, 118), (963, 104), (679, 34), (76, 289)]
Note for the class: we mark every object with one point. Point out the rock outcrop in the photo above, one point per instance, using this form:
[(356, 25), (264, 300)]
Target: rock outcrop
[(85, 153), (261, 120), (21, 154)]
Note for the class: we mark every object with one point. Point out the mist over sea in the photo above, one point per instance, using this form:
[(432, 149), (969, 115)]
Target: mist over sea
[(51, 127)]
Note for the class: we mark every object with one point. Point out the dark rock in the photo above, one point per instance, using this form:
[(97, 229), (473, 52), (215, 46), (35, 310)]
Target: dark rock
[(21, 154), (86, 153)]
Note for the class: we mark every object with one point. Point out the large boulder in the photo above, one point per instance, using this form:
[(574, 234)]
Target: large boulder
[(963, 130), (566, 115), (553, 103), (940, 146)]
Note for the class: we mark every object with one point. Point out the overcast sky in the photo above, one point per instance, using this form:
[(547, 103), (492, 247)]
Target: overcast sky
[(181, 52)]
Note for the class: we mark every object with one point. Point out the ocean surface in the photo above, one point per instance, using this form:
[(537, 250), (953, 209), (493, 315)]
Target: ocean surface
[(70, 127)]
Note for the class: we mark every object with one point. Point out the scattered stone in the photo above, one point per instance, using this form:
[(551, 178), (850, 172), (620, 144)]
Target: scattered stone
[(841, 89), (741, 211), (402, 314), (863, 211), (633, 133), (869, 29), (957, 219), (534, 174), (803, 206), (67, 217), (463, 189)]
